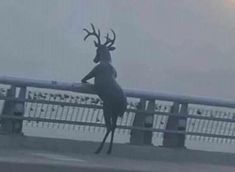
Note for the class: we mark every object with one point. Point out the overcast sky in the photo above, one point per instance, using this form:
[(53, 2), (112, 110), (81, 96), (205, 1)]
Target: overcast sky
[(175, 46)]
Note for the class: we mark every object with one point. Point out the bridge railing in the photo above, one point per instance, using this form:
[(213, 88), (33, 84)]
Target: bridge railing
[(73, 106)]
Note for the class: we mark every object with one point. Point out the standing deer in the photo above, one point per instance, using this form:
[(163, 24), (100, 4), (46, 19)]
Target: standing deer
[(112, 95)]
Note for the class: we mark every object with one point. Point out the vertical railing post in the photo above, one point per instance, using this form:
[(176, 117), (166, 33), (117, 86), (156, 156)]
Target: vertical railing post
[(148, 122), (170, 139), (143, 120), (8, 110), (137, 136), (182, 124), (19, 112), (176, 123)]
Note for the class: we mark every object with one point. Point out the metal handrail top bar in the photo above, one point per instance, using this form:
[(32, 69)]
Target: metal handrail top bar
[(89, 89)]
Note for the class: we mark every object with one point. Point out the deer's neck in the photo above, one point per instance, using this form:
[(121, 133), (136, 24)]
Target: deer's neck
[(105, 62)]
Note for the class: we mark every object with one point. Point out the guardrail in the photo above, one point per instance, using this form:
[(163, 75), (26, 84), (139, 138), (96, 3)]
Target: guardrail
[(150, 115)]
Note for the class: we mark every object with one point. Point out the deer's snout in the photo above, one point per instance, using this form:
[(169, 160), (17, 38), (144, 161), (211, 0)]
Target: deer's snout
[(96, 60)]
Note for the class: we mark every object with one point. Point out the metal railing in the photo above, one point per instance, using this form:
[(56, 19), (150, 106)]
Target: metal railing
[(150, 115)]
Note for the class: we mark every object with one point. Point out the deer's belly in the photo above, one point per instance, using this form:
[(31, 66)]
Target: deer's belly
[(111, 93)]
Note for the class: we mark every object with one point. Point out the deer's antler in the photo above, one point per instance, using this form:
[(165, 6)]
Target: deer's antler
[(108, 40), (97, 35)]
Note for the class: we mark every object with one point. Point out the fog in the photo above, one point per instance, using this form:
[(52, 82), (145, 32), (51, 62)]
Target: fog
[(174, 46)]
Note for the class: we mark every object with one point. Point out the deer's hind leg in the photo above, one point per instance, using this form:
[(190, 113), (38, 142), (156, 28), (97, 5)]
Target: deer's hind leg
[(108, 128), (114, 125)]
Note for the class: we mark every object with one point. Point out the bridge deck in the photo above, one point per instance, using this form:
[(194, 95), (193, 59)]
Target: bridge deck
[(43, 154)]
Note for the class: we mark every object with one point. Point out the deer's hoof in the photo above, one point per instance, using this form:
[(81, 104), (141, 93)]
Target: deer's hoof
[(97, 152), (109, 152)]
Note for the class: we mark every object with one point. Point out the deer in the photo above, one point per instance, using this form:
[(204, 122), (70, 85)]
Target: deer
[(105, 84)]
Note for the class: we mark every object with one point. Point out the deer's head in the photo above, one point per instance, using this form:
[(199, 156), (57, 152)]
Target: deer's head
[(102, 50)]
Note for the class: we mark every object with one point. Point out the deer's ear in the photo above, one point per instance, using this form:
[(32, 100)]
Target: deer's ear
[(96, 44), (111, 48)]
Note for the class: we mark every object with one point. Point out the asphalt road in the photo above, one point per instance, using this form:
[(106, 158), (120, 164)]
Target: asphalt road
[(38, 161), (33, 154), (22, 167)]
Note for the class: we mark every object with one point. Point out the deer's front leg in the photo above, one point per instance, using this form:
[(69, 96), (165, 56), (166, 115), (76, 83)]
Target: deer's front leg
[(84, 80), (90, 75), (87, 77)]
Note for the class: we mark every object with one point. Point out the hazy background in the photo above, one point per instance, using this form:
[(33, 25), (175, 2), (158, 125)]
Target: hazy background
[(175, 46)]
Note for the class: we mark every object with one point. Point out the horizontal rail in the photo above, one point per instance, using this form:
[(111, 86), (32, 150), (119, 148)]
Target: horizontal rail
[(146, 112), (58, 121), (89, 89)]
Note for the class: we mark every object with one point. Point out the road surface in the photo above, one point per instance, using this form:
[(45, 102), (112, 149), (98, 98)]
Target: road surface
[(38, 161), (23, 154)]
